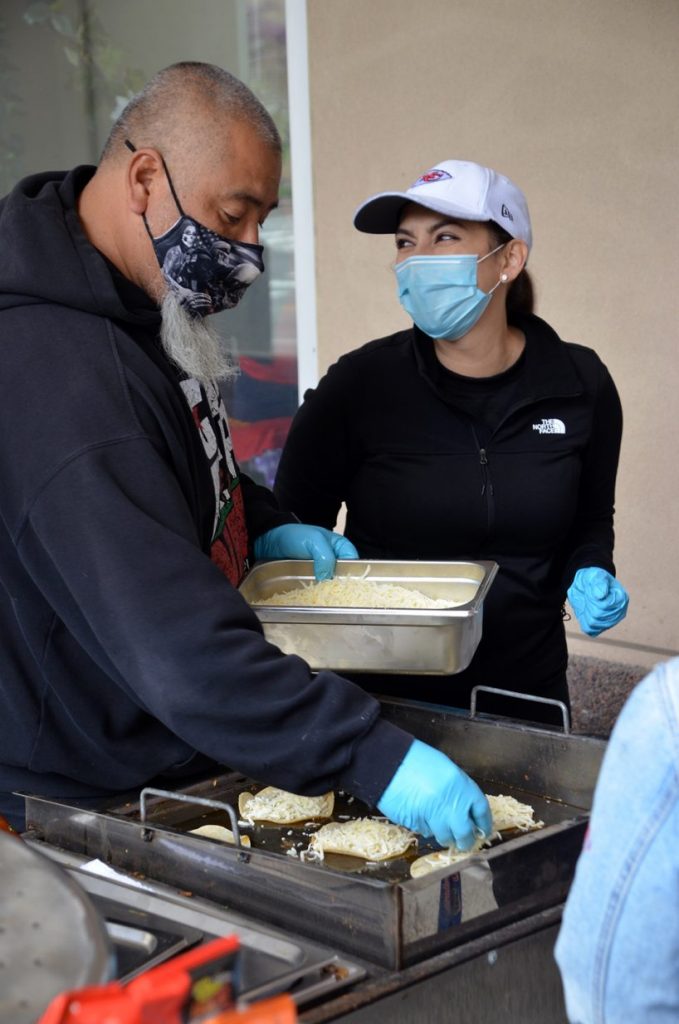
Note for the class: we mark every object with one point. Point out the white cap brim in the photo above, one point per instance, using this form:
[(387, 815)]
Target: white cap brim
[(381, 214)]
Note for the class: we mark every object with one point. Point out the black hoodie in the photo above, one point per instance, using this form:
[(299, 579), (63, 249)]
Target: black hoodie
[(124, 648)]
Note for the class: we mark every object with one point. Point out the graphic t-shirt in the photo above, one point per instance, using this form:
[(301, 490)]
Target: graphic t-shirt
[(229, 546)]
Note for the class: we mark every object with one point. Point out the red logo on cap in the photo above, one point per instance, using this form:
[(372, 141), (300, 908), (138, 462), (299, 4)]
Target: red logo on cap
[(430, 176)]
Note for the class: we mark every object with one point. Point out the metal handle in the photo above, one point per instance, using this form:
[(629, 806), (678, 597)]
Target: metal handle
[(186, 798), (522, 696)]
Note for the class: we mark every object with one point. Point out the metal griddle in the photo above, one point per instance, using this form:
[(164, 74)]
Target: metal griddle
[(373, 911)]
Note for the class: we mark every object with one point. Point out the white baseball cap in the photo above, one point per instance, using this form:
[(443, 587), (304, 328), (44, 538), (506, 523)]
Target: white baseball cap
[(456, 188)]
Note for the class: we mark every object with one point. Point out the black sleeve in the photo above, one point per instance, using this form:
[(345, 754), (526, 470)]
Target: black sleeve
[(262, 511), (592, 537), (112, 546), (316, 465)]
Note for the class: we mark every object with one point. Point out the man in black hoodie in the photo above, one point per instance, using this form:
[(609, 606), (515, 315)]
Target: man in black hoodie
[(126, 651)]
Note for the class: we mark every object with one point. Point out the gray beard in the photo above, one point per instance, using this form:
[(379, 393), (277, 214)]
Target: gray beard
[(193, 345)]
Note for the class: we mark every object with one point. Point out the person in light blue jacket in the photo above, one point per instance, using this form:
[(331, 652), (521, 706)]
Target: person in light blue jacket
[(618, 948)]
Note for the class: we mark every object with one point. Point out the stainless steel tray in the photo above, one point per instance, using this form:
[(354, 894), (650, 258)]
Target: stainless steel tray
[(398, 640)]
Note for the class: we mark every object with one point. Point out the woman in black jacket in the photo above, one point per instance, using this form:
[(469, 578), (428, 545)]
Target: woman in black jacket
[(476, 434)]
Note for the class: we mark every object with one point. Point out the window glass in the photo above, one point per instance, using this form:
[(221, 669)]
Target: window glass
[(67, 69)]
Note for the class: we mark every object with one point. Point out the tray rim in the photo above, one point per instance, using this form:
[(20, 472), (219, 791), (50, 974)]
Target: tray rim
[(352, 616)]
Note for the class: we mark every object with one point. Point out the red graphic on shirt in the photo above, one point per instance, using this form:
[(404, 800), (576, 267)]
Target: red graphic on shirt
[(229, 546)]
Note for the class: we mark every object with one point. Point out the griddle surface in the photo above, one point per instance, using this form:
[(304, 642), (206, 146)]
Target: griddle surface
[(279, 839)]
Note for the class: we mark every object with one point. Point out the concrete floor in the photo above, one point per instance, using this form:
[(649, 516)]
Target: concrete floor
[(598, 690)]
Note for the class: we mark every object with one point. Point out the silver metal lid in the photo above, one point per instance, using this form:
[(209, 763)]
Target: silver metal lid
[(51, 937)]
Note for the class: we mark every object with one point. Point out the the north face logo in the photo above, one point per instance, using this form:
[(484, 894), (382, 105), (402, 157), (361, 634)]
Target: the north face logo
[(550, 427)]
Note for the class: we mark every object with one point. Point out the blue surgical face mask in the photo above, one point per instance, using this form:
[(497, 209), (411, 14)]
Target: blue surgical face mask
[(207, 272), (441, 293)]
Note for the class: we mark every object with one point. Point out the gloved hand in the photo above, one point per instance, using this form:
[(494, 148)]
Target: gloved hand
[(597, 599), (429, 794), (299, 540)]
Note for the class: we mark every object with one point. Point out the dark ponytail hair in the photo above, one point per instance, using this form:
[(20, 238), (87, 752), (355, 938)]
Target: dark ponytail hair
[(521, 294)]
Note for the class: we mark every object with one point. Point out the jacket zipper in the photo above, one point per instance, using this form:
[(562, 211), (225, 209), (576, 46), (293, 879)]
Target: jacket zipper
[(487, 489), (486, 482)]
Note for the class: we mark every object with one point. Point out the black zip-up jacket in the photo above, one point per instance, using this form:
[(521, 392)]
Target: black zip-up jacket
[(124, 650), (382, 433)]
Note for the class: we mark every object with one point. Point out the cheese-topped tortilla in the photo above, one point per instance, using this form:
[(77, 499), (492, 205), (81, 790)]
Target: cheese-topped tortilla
[(362, 837), (508, 813), (283, 808), (220, 832)]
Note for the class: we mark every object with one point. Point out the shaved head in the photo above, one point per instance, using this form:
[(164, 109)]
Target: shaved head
[(184, 111), (203, 146)]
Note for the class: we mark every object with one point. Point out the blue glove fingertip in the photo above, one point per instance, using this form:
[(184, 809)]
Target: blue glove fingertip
[(465, 841), (324, 558), (343, 547), (483, 818)]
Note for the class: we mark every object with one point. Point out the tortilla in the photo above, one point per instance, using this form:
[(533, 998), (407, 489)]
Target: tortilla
[(282, 808), (442, 859), (219, 832), (368, 838)]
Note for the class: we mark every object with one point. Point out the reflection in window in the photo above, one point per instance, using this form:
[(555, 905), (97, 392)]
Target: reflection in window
[(68, 67)]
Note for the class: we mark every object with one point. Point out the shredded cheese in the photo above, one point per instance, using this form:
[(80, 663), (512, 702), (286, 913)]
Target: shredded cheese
[(283, 808), (355, 592), (509, 813), (367, 838)]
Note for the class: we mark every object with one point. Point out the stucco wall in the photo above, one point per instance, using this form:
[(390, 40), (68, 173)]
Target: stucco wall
[(577, 101)]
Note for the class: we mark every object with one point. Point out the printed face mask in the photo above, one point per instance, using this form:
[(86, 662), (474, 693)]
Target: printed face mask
[(207, 271), (441, 293)]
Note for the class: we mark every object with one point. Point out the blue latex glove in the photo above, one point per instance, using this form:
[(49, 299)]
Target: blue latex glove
[(299, 540), (597, 599), (429, 794)]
